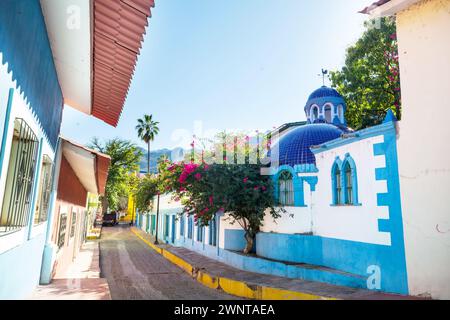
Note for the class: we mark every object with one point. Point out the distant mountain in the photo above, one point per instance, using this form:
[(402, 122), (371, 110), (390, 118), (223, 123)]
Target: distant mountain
[(154, 156)]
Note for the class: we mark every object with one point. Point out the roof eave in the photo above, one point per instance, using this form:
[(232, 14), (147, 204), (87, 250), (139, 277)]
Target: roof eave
[(389, 8)]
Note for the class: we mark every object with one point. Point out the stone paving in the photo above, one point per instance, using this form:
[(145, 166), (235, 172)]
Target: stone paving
[(216, 268), (134, 272)]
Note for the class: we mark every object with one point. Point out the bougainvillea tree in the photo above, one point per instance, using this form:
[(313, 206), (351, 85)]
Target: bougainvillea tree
[(239, 190)]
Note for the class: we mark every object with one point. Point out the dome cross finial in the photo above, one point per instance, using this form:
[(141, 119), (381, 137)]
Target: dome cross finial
[(323, 74)]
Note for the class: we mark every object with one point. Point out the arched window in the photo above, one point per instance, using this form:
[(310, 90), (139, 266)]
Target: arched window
[(328, 113), (341, 113), (350, 181), (348, 184), (314, 113), (336, 176), (285, 189)]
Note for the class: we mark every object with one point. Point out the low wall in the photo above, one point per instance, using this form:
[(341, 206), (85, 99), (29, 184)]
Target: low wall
[(358, 258)]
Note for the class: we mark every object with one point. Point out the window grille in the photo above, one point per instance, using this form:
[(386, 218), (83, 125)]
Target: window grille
[(73, 224), (20, 177), (286, 189), (44, 191), (62, 229)]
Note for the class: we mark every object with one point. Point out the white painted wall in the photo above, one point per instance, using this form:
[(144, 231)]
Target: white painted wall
[(424, 150), (294, 221), (355, 223)]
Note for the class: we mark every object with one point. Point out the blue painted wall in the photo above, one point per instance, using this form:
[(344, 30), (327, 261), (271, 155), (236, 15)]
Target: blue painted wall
[(26, 48), (234, 240)]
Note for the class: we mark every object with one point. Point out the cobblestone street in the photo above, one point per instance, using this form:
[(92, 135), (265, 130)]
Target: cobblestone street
[(133, 271)]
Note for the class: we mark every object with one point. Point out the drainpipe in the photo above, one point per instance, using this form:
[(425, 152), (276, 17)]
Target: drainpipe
[(50, 249)]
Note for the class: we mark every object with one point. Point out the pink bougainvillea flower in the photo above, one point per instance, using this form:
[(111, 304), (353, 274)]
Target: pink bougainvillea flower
[(256, 188), (245, 180), (263, 188), (198, 176), (211, 202)]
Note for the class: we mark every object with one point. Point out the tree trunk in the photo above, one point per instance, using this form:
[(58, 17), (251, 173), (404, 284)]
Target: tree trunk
[(250, 239), (104, 204), (148, 157)]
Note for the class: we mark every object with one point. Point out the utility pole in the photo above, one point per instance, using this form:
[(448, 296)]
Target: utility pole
[(157, 220)]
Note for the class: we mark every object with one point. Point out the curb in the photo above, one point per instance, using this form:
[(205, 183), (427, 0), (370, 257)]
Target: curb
[(233, 287)]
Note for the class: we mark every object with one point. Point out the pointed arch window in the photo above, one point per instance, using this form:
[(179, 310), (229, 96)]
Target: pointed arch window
[(286, 189), (345, 182), (336, 177), (350, 181), (348, 184)]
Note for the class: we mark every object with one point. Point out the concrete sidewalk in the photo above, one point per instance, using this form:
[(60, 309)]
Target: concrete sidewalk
[(80, 282), (217, 275)]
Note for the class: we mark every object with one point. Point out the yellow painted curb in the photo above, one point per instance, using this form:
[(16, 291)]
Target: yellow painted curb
[(178, 261), (208, 280), (151, 245), (237, 288), (233, 287), (268, 293)]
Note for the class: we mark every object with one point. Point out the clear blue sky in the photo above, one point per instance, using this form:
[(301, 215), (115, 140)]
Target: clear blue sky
[(235, 64)]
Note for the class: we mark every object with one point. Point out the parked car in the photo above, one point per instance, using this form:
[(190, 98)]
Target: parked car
[(110, 219)]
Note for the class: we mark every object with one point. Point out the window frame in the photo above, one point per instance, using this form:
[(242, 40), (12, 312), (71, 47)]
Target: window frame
[(286, 179), (45, 189), (16, 207)]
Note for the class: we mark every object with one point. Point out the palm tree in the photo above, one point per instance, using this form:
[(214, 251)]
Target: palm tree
[(147, 129)]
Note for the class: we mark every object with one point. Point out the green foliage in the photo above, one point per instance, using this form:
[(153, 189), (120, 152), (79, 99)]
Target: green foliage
[(125, 157), (239, 190), (148, 188), (370, 80)]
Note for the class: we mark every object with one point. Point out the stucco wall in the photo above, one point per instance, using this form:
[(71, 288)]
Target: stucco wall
[(21, 251), (356, 223), (424, 149)]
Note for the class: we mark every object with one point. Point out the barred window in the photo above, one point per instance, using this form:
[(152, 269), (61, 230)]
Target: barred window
[(286, 189), (19, 181), (73, 224), (44, 191), (62, 229)]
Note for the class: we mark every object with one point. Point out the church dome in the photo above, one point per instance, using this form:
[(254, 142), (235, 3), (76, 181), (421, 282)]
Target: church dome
[(324, 92), (294, 147), (326, 105)]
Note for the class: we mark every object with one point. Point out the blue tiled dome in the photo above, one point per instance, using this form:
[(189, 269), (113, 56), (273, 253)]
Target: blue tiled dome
[(294, 147), (324, 92)]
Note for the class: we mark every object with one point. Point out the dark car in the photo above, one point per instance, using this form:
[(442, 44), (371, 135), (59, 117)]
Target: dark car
[(110, 219)]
